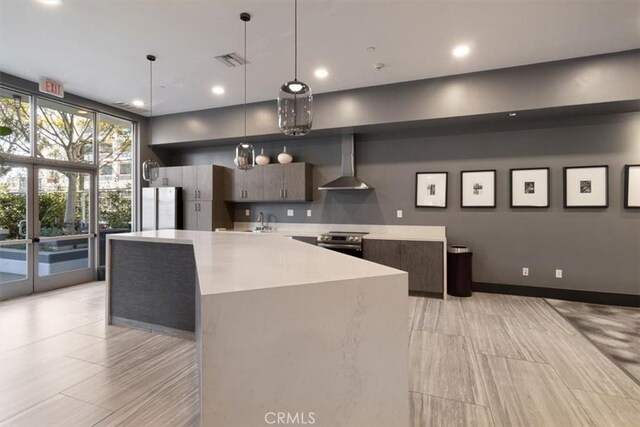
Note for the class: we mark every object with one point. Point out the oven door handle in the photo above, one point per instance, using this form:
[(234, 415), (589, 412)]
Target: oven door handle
[(338, 246)]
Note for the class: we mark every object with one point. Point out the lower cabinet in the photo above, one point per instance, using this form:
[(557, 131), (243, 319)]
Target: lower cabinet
[(422, 260), (312, 240)]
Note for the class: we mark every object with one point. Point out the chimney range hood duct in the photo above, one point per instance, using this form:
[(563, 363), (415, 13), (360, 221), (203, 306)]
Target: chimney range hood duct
[(348, 180)]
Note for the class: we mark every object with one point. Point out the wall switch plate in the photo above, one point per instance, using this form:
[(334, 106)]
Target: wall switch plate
[(308, 212), (399, 213), (558, 274), (525, 271), (247, 212), (289, 212)]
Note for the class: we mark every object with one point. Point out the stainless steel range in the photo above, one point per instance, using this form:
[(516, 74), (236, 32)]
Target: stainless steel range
[(346, 242)]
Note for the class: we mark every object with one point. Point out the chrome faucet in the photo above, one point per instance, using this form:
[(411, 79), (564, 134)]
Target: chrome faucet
[(262, 227)]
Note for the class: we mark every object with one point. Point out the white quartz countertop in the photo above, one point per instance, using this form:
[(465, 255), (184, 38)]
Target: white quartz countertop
[(232, 262), (375, 232)]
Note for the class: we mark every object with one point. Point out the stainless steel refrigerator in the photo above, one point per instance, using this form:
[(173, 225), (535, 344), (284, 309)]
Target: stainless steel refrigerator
[(161, 208)]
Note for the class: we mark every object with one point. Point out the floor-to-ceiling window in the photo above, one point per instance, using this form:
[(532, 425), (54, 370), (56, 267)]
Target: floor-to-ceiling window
[(66, 175)]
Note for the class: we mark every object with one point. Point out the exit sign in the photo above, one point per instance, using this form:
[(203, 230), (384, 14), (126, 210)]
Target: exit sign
[(52, 87)]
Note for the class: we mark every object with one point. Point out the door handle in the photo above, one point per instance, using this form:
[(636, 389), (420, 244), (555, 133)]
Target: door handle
[(199, 196), (285, 193), (195, 194)]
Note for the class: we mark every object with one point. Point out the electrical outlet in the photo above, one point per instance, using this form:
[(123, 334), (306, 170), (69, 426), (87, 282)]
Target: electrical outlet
[(308, 212), (247, 212), (399, 213), (289, 212), (558, 274), (525, 271)]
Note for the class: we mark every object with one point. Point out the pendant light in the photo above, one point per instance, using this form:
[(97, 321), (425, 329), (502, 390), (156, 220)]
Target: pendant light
[(295, 98), (150, 168), (245, 154)]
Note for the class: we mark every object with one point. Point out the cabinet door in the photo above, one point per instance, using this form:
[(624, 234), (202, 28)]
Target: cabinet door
[(174, 176), (205, 215), (312, 240), (273, 178), (205, 182), (237, 185), (253, 184), (295, 182), (189, 183), (423, 262), (385, 252), (189, 215)]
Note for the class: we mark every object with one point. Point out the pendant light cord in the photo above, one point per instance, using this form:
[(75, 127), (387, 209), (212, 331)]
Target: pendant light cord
[(295, 39), (150, 89), (245, 81)]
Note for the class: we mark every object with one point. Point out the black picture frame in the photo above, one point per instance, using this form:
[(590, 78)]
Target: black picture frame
[(546, 205), (493, 205), (566, 169), (627, 186), (446, 190)]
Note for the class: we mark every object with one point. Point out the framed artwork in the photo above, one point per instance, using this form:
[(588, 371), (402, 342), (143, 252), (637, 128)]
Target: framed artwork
[(586, 187), (431, 189), (478, 189), (530, 188), (632, 186)]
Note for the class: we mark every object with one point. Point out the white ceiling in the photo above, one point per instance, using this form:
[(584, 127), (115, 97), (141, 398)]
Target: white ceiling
[(97, 48)]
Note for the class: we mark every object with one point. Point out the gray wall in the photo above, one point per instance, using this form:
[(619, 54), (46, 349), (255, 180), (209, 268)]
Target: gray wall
[(598, 249), (581, 81)]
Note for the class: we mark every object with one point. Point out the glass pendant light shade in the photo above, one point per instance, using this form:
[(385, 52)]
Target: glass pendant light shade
[(294, 108), (245, 156)]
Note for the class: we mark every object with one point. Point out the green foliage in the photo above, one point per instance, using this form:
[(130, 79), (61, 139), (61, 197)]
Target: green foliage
[(115, 209), (5, 131), (13, 208)]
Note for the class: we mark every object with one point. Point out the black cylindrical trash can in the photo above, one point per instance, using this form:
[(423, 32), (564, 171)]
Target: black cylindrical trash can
[(459, 271)]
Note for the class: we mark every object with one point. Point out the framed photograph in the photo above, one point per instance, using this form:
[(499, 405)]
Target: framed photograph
[(431, 189), (586, 187), (530, 188), (632, 186), (478, 189)]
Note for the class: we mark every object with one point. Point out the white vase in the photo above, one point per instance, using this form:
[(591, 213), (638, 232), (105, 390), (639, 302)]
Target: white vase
[(262, 159), (285, 157)]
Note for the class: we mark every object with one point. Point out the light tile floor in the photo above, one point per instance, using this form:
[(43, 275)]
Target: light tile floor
[(481, 361)]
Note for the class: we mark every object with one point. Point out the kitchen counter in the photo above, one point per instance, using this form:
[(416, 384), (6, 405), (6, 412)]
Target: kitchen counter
[(280, 325), (379, 232)]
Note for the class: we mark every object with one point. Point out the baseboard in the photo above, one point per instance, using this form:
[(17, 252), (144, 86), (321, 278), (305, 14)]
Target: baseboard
[(624, 300)]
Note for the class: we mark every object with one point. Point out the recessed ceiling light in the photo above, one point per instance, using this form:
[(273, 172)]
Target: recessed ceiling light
[(51, 2), (218, 90), (461, 51), (513, 114), (138, 103), (321, 73), (371, 48)]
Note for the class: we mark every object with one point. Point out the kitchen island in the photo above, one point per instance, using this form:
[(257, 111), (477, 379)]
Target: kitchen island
[(284, 330)]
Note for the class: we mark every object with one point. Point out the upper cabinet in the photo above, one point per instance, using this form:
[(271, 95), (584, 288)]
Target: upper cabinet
[(206, 182), (246, 186), (273, 183), (168, 177)]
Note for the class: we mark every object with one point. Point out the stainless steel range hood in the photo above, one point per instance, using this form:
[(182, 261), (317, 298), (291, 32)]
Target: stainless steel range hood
[(348, 180)]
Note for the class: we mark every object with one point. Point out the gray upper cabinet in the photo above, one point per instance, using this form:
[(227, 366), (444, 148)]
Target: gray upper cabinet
[(272, 183), (273, 176), (246, 186), (298, 182), (168, 177), (203, 182), (421, 259)]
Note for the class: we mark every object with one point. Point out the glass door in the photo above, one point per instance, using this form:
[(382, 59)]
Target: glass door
[(16, 251), (64, 234)]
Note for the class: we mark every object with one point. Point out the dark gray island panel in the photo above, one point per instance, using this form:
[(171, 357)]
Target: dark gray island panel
[(153, 283)]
